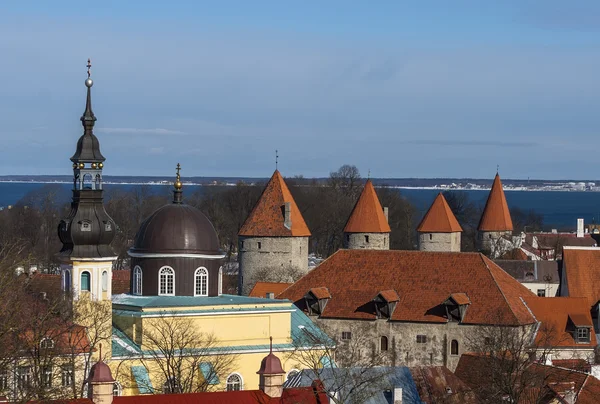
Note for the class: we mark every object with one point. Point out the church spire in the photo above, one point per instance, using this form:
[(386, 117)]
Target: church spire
[(177, 194), (88, 118)]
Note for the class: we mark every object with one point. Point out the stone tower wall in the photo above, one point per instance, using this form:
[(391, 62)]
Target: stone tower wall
[(367, 241), (278, 254), (447, 242), (488, 240)]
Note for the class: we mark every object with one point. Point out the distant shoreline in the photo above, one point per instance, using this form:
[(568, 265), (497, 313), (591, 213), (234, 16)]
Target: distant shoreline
[(441, 188)]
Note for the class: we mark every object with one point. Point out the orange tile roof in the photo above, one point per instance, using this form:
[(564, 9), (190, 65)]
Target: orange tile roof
[(390, 295), (496, 216), (261, 289), (367, 215), (581, 267), (460, 298), (320, 293), (422, 280), (439, 218), (267, 217), (554, 313)]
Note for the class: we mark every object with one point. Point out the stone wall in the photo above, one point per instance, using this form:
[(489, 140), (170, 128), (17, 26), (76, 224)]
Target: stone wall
[(492, 242), (367, 241), (403, 348), (447, 242), (284, 258)]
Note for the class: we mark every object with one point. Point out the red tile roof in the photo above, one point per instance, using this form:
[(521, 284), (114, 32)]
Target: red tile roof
[(460, 298), (320, 293), (439, 218), (390, 295), (496, 216), (581, 365), (438, 384), (581, 267), (516, 254), (267, 217), (261, 289), (477, 372), (367, 215), (554, 313), (423, 280)]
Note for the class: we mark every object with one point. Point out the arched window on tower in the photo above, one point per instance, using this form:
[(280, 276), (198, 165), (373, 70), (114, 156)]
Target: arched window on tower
[(137, 280), (104, 281), (67, 280), (454, 347), (87, 181), (166, 281), (201, 282), (85, 281)]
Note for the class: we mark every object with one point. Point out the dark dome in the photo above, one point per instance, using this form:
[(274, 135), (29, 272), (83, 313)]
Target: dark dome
[(176, 229)]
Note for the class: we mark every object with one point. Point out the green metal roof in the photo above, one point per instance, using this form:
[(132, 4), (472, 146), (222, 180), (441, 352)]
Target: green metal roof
[(190, 301), (142, 379)]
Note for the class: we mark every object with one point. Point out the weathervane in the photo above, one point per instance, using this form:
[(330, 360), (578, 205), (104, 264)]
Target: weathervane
[(369, 174), (178, 169), (276, 159), (497, 168), (89, 66)]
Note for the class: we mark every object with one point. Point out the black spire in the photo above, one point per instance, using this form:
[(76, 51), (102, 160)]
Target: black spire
[(88, 146), (88, 230), (177, 194)]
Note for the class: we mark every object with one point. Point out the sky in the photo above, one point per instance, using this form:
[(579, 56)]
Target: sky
[(397, 88)]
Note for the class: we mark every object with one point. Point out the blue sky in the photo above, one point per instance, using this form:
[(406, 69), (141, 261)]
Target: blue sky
[(403, 89)]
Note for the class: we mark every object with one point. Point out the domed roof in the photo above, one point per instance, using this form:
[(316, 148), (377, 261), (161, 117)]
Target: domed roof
[(100, 373), (270, 365), (176, 229)]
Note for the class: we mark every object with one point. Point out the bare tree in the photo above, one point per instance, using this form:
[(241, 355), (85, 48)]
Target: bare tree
[(187, 359), (352, 377)]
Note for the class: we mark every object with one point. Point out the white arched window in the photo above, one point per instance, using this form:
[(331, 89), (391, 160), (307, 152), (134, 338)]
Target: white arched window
[(220, 289), (104, 281), (137, 280), (166, 281), (201, 282), (117, 389), (67, 274), (234, 382)]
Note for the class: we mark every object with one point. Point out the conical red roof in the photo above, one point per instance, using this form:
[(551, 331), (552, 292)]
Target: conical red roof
[(496, 216), (439, 218), (367, 215), (267, 218)]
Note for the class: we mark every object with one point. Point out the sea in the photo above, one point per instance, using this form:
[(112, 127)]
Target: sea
[(560, 209)]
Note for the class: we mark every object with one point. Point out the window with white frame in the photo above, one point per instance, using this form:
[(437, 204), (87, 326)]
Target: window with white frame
[(23, 377), (166, 282), (220, 289), (201, 282), (104, 281), (85, 281), (47, 343), (46, 374), (117, 390), (66, 376), (3, 380), (583, 334), (137, 280), (234, 382)]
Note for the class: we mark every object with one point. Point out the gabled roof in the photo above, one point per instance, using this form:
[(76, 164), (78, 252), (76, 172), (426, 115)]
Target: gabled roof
[(460, 298), (261, 289), (423, 280), (554, 313), (581, 267), (367, 215), (267, 217), (439, 218), (389, 295), (496, 216)]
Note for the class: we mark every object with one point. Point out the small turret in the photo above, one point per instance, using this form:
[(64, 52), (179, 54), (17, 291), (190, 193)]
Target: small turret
[(439, 230), (100, 383), (271, 374), (367, 228), (495, 221)]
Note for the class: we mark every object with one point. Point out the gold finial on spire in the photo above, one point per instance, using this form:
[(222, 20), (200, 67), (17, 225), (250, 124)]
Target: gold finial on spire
[(178, 183)]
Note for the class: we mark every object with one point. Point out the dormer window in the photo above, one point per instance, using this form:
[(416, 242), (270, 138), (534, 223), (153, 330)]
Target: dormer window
[(316, 299), (47, 343), (583, 335), (456, 307), (385, 303), (85, 225)]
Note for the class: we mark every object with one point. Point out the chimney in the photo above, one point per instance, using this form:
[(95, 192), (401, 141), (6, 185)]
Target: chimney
[(386, 214), (270, 295), (397, 395), (287, 215), (580, 228)]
